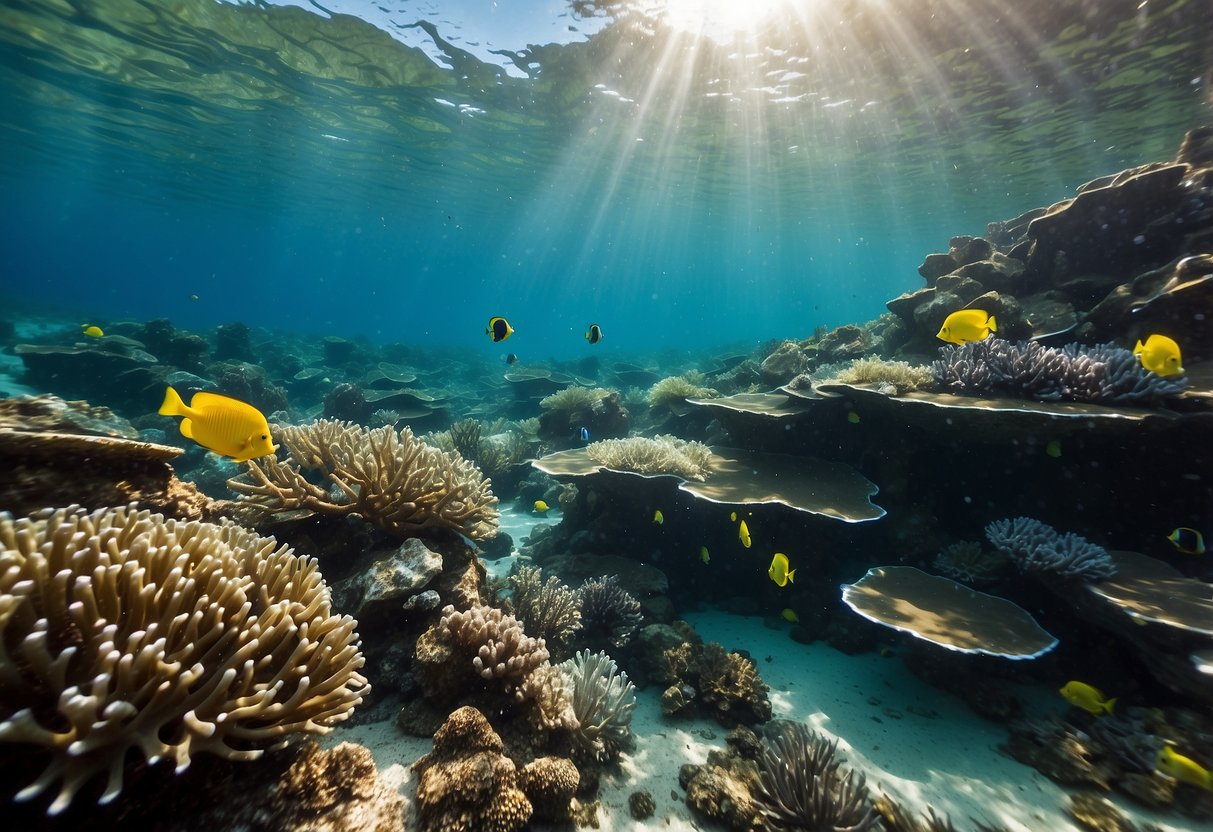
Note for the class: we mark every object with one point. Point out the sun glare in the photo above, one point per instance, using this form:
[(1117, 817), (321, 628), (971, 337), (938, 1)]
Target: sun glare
[(722, 20)]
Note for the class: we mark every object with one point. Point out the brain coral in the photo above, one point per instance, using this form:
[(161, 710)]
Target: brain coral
[(121, 631)]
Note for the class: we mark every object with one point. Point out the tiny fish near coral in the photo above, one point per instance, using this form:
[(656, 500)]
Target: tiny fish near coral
[(1082, 695)]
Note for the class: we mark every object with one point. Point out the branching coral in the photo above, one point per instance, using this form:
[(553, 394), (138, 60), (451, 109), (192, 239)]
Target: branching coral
[(801, 787), (1037, 547), (552, 699), (609, 614), (675, 390), (662, 454), (1103, 373), (603, 701), (495, 643), (122, 631), (726, 685), (900, 374), (547, 609), (573, 399), (385, 476), (465, 436), (967, 561)]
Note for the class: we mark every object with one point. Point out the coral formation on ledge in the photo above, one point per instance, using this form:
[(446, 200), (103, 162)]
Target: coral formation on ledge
[(663, 454), (122, 631), (1037, 547)]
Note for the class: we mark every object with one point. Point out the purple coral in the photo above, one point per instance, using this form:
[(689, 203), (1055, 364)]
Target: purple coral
[(1038, 547)]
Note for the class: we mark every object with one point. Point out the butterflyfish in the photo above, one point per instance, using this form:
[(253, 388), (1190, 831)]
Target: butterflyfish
[(1082, 695), (92, 331), (593, 334), (1188, 541), (541, 506), (499, 329), (703, 554), (790, 615), (743, 534), (219, 423), (967, 325), (778, 570), (511, 359), (658, 517), (1184, 769), (1160, 355)]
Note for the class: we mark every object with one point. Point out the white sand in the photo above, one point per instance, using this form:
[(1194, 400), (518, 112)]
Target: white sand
[(922, 746)]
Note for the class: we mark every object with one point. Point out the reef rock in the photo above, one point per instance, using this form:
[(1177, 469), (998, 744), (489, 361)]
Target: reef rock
[(391, 580)]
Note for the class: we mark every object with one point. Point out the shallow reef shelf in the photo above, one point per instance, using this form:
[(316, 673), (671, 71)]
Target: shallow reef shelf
[(774, 405)]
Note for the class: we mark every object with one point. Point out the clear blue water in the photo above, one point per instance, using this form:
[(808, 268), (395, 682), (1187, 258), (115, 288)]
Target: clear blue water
[(371, 177)]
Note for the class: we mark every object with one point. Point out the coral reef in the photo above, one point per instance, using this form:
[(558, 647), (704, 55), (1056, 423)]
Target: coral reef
[(724, 788), (603, 701), (548, 610), (673, 391), (902, 376), (800, 786), (483, 639), (385, 476), (663, 454), (550, 783), (609, 614), (967, 561), (597, 409), (1037, 547), (126, 632), (1103, 373), (724, 685), (467, 781)]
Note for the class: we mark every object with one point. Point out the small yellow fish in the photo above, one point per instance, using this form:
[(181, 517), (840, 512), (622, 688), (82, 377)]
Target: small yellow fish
[(219, 423), (1082, 695), (499, 329), (967, 325), (593, 334), (743, 534), (1184, 769), (1160, 355), (790, 615), (1188, 541), (658, 517), (778, 570), (733, 516), (703, 554), (1053, 448), (541, 506), (853, 417), (92, 331)]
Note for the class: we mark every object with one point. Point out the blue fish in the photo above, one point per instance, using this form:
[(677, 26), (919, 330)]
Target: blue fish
[(585, 434)]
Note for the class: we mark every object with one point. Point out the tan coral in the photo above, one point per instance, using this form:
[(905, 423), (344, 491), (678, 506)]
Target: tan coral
[(483, 639), (387, 477), (662, 454), (550, 783), (121, 631)]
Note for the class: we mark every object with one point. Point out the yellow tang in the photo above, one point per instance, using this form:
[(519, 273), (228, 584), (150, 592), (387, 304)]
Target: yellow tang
[(967, 325), (93, 331), (743, 534), (790, 615), (1184, 769), (703, 554), (778, 570), (1160, 355), (1082, 695), (499, 329), (221, 424), (658, 517), (541, 506)]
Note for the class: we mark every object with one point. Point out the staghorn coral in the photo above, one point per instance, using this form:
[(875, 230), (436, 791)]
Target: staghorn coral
[(903, 376), (663, 454), (385, 476), (609, 614), (801, 787), (467, 782), (552, 701), (725, 685), (548, 610), (1037, 547), (1103, 373), (465, 436), (603, 701), (675, 390), (122, 631), (967, 561)]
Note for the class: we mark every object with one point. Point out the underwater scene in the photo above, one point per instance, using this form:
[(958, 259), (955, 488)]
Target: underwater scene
[(496, 415)]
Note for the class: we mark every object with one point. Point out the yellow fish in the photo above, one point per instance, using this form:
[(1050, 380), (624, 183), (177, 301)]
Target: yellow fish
[(1160, 355), (593, 334), (1082, 695), (790, 615), (1173, 764), (1188, 541), (499, 329), (967, 325), (1053, 449), (658, 517), (778, 570), (541, 506), (733, 516), (743, 534), (703, 554), (93, 331), (853, 417), (221, 424)]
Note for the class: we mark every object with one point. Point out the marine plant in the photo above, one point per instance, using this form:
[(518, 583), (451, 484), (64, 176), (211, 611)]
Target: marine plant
[(902, 375), (1103, 373), (609, 614), (385, 476), (603, 701), (547, 609), (122, 631), (663, 454), (674, 390), (800, 786), (1037, 547)]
